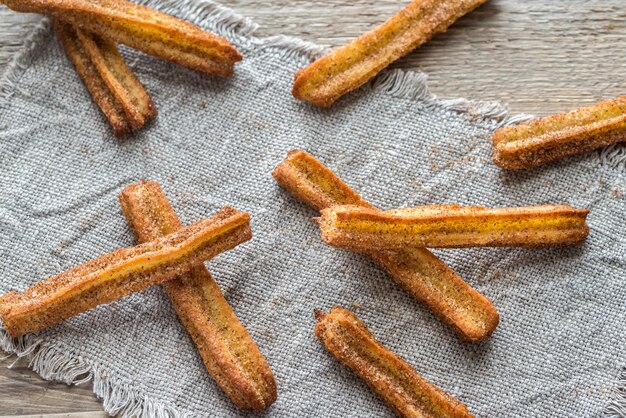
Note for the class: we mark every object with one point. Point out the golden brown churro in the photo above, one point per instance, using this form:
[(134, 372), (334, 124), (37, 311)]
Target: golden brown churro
[(121, 273), (142, 28), (548, 139), (352, 65), (111, 84), (417, 270), (229, 353), (406, 392), (444, 226)]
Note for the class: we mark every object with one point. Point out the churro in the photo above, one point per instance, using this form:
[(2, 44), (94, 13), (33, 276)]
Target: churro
[(445, 226), (227, 350), (406, 392), (352, 65), (417, 270), (121, 273), (544, 140), (142, 28), (111, 84)]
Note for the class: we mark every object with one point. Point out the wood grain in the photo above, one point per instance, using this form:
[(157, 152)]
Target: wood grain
[(539, 56), (24, 393)]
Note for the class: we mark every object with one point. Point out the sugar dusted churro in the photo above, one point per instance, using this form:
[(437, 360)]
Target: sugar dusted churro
[(228, 351), (417, 270), (406, 392), (111, 84), (352, 65), (142, 28), (363, 229), (544, 140), (121, 273)]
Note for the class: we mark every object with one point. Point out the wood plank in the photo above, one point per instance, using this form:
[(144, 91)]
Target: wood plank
[(540, 57), (67, 415), (24, 393)]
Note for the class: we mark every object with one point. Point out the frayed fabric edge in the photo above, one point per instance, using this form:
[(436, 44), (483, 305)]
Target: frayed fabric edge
[(414, 85), (119, 398), (51, 363), (614, 156), (617, 408)]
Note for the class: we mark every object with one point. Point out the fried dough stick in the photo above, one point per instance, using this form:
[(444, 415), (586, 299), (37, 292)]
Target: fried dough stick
[(406, 392), (452, 226), (111, 84), (417, 270), (544, 140), (352, 65), (121, 273), (142, 28), (228, 351)]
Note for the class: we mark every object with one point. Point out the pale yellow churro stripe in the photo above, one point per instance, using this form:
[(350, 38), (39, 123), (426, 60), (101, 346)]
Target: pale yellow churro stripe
[(364, 229), (122, 272)]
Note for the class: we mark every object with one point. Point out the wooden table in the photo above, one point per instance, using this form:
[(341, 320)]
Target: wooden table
[(539, 56)]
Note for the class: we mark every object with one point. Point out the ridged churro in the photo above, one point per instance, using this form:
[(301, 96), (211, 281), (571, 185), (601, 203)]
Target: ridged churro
[(417, 270), (445, 226), (121, 273), (111, 84), (352, 65), (142, 28), (544, 140), (406, 392), (227, 350)]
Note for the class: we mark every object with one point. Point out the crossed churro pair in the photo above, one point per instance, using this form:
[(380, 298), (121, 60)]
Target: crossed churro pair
[(171, 255), (395, 239), (89, 32)]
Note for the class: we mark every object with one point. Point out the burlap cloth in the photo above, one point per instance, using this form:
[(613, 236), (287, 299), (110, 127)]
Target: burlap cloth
[(559, 349)]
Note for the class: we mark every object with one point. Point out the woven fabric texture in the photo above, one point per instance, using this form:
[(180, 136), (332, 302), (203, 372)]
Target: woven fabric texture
[(559, 349)]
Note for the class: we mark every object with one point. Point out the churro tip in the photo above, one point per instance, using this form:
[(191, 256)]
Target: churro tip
[(295, 89), (485, 333), (294, 152), (319, 314), (236, 55), (131, 186), (120, 131), (152, 112), (291, 154), (276, 172), (504, 164)]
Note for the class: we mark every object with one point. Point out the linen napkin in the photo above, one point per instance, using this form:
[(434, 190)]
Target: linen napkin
[(558, 351)]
